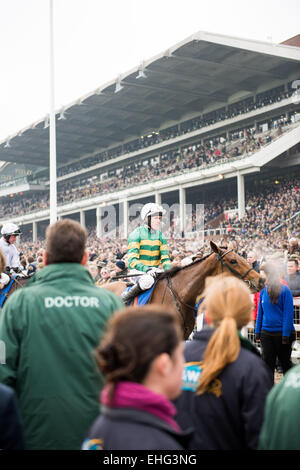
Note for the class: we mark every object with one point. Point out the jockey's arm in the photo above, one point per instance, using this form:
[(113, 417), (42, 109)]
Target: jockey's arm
[(134, 254), (164, 254), (15, 258)]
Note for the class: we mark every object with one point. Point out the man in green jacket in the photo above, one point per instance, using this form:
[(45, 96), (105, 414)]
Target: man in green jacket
[(147, 249), (281, 425), (50, 329)]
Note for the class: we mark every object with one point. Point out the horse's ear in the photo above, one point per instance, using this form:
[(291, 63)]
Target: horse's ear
[(214, 247)]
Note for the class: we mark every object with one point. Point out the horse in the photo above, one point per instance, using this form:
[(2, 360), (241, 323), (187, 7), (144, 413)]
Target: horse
[(181, 287)]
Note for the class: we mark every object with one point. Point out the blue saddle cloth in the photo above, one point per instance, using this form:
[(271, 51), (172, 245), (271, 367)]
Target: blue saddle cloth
[(4, 292), (141, 299)]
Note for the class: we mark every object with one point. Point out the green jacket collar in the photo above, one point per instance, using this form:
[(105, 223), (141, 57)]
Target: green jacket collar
[(62, 271)]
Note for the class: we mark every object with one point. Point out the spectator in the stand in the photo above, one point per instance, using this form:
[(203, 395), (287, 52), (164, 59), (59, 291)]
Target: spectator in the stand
[(31, 269), (121, 252), (293, 246), (293, 277), (40, 263), (120, 268), (105, 277), (252, 260), (61, 316), (93, 269)]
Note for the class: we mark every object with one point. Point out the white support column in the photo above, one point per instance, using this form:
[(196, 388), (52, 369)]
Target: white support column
[(34, 231), (125, 218), (98, 222), (157, 198), (182, 210), (241, 195), (82, 218), (52, 126)]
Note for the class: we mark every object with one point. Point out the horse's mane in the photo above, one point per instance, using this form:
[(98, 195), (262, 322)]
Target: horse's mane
[(171, 272)]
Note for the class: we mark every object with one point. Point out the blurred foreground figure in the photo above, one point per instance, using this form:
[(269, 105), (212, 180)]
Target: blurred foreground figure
[(141, 357), (280, 429)]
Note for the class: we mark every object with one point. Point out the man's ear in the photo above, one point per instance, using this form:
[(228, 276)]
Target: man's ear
[(84, 258), (45, 258)]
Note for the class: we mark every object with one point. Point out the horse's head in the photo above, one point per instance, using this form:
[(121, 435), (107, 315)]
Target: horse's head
[(236, 265)]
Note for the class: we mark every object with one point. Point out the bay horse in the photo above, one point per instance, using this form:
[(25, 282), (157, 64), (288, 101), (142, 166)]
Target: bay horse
[(180, 287)]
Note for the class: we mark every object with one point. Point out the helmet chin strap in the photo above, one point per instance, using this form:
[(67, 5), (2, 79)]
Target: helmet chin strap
[(7, 237)]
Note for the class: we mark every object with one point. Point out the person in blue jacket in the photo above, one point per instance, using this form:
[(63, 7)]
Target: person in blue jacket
[(141, 357), (225, 382), (11, 428), (274, 326)]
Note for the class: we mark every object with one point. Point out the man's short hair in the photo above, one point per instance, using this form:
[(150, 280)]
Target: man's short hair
[(65, 242), (293, 260)]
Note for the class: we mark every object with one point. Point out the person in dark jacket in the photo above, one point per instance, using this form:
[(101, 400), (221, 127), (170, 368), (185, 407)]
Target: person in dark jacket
[(225, 382), (274, 326), (251, 258), (293, 277), (11, 429), (141, 357)]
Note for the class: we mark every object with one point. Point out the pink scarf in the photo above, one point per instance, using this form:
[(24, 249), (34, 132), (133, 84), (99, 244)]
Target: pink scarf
[(135, 395)]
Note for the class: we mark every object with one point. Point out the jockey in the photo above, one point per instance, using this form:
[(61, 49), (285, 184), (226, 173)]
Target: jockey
[(147, 249), (9, 234)]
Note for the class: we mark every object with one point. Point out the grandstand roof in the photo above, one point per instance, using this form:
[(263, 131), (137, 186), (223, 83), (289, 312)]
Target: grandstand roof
[(203, 72)]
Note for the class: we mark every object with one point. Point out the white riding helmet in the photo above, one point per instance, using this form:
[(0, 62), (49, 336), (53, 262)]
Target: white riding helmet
[(10, 229), (151, 209)]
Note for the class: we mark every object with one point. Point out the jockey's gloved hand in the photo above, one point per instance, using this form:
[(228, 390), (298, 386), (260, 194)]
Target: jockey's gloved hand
[(153, 271), (17, 270), (4, 279)]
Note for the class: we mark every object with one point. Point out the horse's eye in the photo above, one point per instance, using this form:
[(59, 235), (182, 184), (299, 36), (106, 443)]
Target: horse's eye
[(233, 261)]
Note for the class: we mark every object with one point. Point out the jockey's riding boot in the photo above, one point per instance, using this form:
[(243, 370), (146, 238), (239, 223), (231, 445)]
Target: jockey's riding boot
[(133, 292)]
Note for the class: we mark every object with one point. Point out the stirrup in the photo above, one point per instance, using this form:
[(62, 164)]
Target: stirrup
[(133, 292)]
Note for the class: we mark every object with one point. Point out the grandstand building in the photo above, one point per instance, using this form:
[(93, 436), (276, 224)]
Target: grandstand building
[(203, 122)]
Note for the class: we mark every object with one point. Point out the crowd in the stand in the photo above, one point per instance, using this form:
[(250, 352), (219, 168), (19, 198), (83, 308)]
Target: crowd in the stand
[(267, 207), (105, 254), (199, 155), (235, 109)]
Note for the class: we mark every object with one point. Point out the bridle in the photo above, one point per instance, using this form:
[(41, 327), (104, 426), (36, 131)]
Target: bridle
[(233, 271)]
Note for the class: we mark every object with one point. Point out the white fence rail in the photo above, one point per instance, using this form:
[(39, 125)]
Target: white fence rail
[(248, 330)]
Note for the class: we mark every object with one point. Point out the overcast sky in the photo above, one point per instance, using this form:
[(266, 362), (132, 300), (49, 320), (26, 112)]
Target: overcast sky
[(96, 40)]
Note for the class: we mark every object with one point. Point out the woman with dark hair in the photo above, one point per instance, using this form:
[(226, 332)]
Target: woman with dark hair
[(274, 326), (141, 357)]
